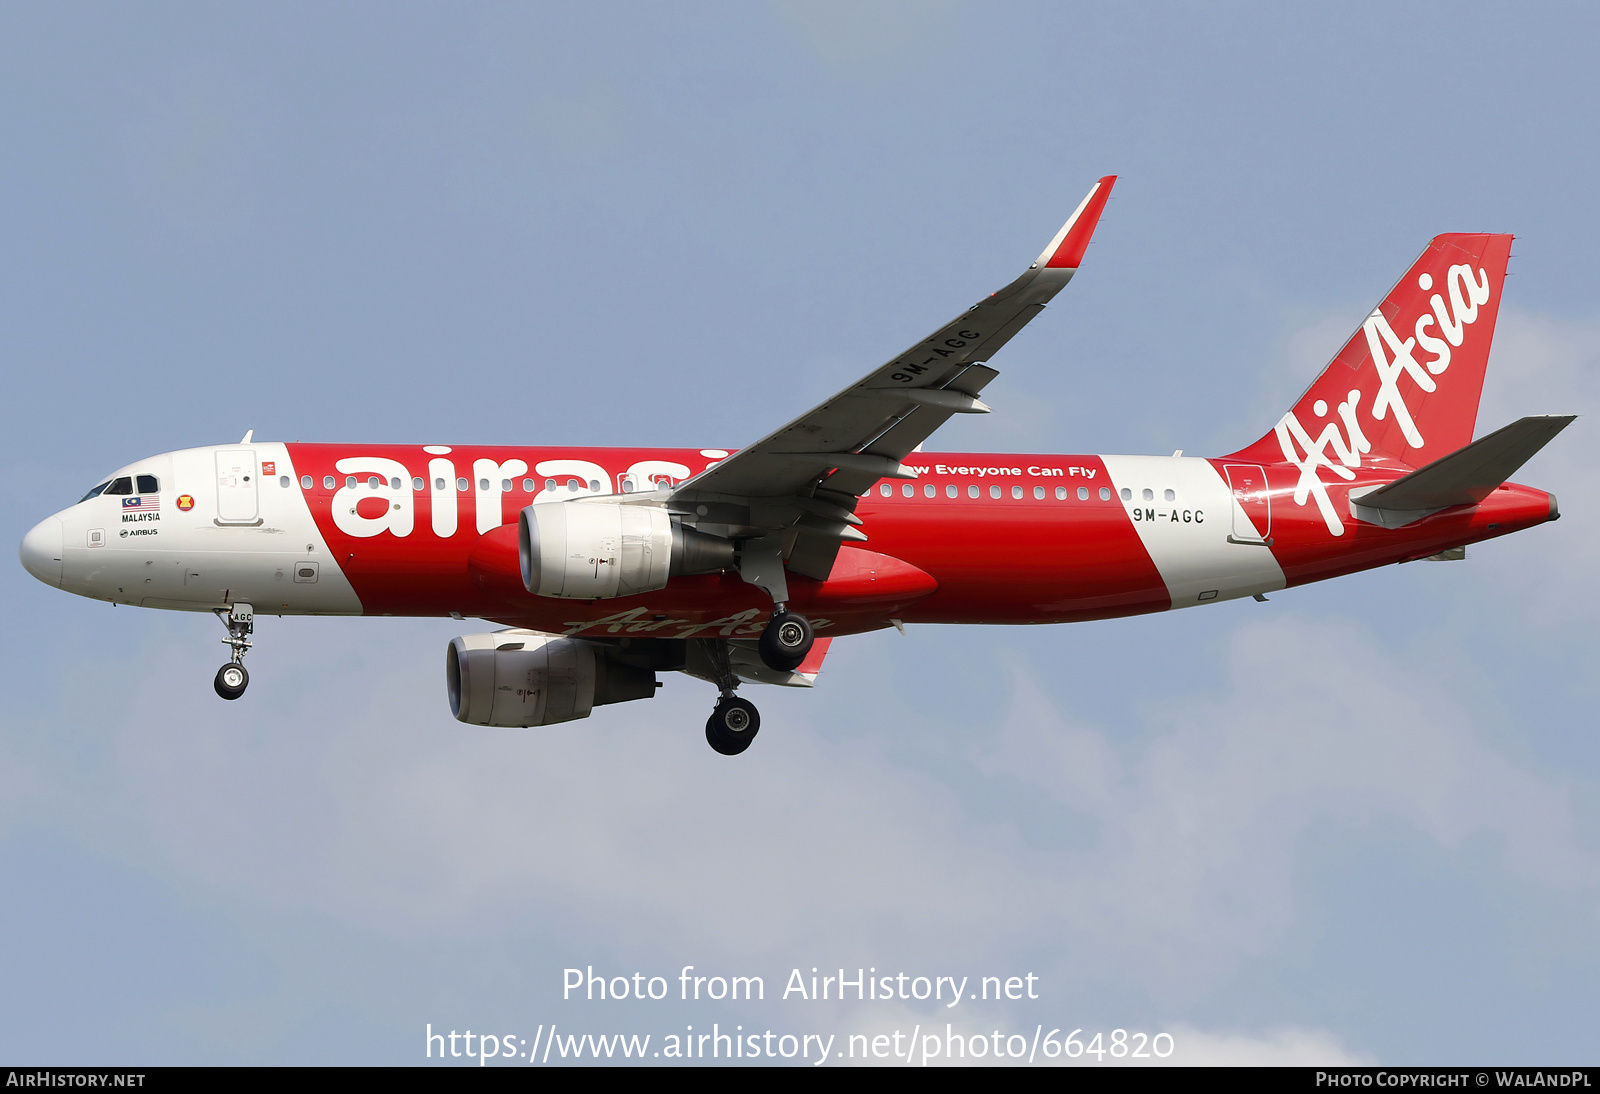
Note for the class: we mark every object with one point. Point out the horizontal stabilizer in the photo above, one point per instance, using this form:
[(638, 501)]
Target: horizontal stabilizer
[(1468, 475)]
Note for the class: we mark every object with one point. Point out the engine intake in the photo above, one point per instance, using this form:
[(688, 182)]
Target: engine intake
[(524, 678), (599, 550)]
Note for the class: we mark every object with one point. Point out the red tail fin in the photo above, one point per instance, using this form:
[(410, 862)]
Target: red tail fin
[(1405, 387)]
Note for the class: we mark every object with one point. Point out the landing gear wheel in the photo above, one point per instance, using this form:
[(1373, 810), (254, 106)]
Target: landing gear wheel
[(232, 680), (732, 726), (785, 642)]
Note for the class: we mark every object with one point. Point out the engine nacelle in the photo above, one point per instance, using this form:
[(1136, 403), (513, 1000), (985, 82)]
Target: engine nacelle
[(599, 550), (524, 678)]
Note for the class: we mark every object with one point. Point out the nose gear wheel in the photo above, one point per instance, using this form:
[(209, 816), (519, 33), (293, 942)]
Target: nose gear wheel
[(231, 681)]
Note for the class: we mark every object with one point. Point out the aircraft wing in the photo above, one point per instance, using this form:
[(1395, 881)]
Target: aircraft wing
[(807, 475)]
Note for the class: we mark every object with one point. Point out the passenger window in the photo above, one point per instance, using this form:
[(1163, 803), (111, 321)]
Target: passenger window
[(527, 486), (908, 490), (416, 482), (1038, 493), (305, 482), (1083, 493), (1149, 494), (1016, 491), (120, 487), (1061, 493), (994, 491), (1127, 495), (283, 481), (549, 484), (350, 482), (1105, 493), (886, 490), (929, 490), (438, 484), (972, 491), (327, 482), (394, 483), (505, 486), (572, 484), (373, 481), (950, 491), (483, 484), (149, 485), (461, 484), (1169, 495)]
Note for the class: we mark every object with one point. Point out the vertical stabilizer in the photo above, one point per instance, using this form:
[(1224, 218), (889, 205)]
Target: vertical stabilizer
[(1405, 388)]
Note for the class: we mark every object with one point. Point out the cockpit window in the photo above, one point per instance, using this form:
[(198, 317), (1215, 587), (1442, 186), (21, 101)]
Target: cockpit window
[(149, 485), (96, 492), (123, 485)]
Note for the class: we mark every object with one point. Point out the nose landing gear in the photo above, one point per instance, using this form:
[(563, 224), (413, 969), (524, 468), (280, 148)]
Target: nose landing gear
[(231, 678)]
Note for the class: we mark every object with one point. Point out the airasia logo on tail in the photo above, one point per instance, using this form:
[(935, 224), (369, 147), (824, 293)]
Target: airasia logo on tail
[(1339, 450)]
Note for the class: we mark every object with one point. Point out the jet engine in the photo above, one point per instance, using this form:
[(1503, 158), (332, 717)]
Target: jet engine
[(598, 550), (524, 678)]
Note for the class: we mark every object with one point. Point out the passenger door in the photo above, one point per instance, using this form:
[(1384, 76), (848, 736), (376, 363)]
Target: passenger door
[(236, 486)]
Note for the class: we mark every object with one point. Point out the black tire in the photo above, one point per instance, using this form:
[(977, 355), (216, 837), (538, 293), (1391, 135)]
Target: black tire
[(231, 680), (785, 642), (732, 726)]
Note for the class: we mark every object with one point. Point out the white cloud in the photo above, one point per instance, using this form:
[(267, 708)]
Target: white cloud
[(1544, 365), (1280, 1048), (358, 799), (941, 1044)]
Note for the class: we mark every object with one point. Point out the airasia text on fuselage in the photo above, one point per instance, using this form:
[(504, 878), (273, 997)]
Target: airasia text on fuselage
[(370, 476)]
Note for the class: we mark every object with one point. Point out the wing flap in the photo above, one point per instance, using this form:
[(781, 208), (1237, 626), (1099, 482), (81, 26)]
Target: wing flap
[(746, 664)]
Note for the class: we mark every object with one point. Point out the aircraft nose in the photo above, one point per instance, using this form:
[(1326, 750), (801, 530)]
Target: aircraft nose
[(41, 552)]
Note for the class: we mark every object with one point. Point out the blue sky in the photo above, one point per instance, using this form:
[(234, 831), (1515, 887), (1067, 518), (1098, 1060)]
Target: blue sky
[(1356, 822)]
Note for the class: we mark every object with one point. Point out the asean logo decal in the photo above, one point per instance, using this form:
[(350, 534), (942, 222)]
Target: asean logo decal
[(185, 502)]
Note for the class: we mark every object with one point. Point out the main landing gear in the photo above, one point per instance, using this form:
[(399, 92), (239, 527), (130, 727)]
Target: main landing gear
[(734, 722), (783, 647), (232, 679), (786, 641), (732, 725)]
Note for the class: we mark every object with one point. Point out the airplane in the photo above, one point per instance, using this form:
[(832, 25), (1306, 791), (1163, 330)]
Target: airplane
[(606, 566)]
